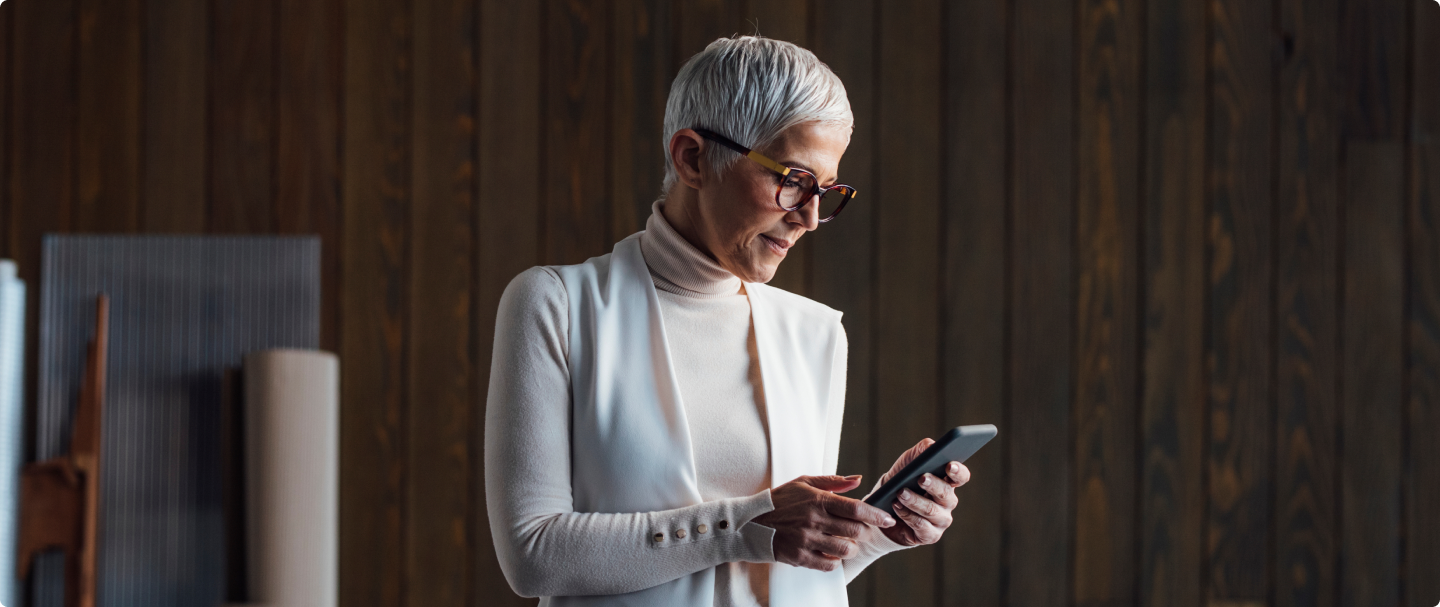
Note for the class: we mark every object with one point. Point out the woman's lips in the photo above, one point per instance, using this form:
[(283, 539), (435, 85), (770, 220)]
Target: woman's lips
[(777, 246)]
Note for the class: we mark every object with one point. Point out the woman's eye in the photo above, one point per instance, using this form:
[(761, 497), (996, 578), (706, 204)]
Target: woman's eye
[(791, 183)]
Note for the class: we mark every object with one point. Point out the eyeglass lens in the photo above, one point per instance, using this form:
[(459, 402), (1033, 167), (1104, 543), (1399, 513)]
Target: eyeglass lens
[(799, 184)]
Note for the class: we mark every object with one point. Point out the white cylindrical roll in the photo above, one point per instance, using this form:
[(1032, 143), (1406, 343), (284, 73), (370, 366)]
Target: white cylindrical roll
[(12, 424), (292, 441)]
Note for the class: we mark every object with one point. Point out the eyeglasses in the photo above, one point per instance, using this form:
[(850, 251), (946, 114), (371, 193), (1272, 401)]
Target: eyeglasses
[(797, 186)]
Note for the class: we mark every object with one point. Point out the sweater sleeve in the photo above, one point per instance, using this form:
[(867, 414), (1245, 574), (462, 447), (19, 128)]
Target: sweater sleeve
[(874, 543), (545, 548)]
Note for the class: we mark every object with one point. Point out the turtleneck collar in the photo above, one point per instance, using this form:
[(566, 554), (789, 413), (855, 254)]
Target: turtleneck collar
[(677, 266)]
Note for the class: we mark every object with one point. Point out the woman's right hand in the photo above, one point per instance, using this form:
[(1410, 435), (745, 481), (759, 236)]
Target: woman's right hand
[(814, 527)]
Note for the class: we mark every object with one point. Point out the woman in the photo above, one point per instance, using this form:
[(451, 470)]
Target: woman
[(662, 428)]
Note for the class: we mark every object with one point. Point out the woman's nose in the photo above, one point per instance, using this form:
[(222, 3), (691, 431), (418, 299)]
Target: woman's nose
[(809, 214)]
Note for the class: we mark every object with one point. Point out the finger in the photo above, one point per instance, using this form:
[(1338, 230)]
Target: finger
[(832, 483), (914, 452), (925, 532), (840, 527), (920, 504), (838, 547), (906, 532), (957, 474), (943, 493), (811, 559), (857, 510)]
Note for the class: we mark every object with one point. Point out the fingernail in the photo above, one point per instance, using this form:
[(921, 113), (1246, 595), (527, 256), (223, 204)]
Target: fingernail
[(954, 467), (889, 522), (906, 495), (852, 477), (925, 481)]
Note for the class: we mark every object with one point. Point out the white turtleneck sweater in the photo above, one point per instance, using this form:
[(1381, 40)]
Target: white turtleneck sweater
[(546, 548)]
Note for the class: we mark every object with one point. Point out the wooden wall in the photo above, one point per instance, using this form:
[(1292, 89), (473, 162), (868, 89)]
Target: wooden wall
[(1186, 254)]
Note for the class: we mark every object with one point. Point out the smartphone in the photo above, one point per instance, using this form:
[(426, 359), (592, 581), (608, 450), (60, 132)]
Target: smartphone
[(956, 446)]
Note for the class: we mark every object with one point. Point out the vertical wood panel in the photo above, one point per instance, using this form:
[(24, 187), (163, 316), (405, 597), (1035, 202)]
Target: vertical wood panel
[(576, 206), (700, 22), (307, 170), (1239, 348), (1173, 381), (842, 270), (242, 123), (907, 253), (177, 43), (974, 297), (42, 163), (441, 398), (1373, 45), (1306, 315), (7, 231), (1042, 186), (43, 124), (642, 60), (1107, 234), (375, 296), (1373, 307), (787, 20), (1422, 462), (512, 51), (108, 133)]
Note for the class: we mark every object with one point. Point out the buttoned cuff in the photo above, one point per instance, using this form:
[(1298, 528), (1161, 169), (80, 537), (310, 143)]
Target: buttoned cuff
[(721, 525)]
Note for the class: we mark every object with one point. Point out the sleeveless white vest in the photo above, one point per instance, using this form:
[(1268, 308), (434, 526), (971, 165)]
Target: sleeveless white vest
[(630, 443)]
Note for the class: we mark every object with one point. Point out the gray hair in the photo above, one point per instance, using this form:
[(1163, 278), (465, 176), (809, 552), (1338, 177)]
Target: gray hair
[(750, 89)]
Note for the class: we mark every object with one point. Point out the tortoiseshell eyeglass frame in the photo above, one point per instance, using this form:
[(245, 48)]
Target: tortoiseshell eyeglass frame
[(784, 171)]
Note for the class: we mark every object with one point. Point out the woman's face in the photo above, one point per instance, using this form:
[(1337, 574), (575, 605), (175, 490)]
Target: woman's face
[(738, 221)]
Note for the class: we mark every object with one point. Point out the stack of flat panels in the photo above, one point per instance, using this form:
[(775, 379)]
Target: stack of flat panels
[(182, 310), (12, 423)]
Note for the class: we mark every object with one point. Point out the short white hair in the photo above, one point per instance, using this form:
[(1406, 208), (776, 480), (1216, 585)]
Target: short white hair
[(750, 89)]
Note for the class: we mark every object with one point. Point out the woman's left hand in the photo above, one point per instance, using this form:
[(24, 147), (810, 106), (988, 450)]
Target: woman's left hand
[(927, 515)]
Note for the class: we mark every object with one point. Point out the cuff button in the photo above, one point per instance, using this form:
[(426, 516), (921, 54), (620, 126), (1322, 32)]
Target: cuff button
[(701, 529), (723, 524), (680, 533), (659, 537)]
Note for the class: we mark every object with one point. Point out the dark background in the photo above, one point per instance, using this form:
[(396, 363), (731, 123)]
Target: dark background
[(1184, 253)]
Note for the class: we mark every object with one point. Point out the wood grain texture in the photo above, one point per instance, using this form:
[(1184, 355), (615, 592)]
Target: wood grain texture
[(375, 299), (843, 251), (1042, 209), (907, 252), (1106, 282), (1422, 461), (1172, 501), (1307, 325), (700, 22), (107, 197), (507, 214), (307, 157), (576, 202), (242, 122), (441, 392), (1373, 45), (1372, 362), (42, 152), (643, 64), (7, 231), (176, 124), (787, 20), (1239, 348), (973, 296)]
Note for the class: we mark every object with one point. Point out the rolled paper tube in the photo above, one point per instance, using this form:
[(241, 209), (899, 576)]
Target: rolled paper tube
[(292, 443), (12, 358)]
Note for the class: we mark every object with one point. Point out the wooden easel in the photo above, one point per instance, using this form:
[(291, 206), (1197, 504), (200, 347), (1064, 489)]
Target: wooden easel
[(60, 497)]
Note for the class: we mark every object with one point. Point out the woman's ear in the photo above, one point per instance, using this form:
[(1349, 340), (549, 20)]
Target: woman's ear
[(685, 153)]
